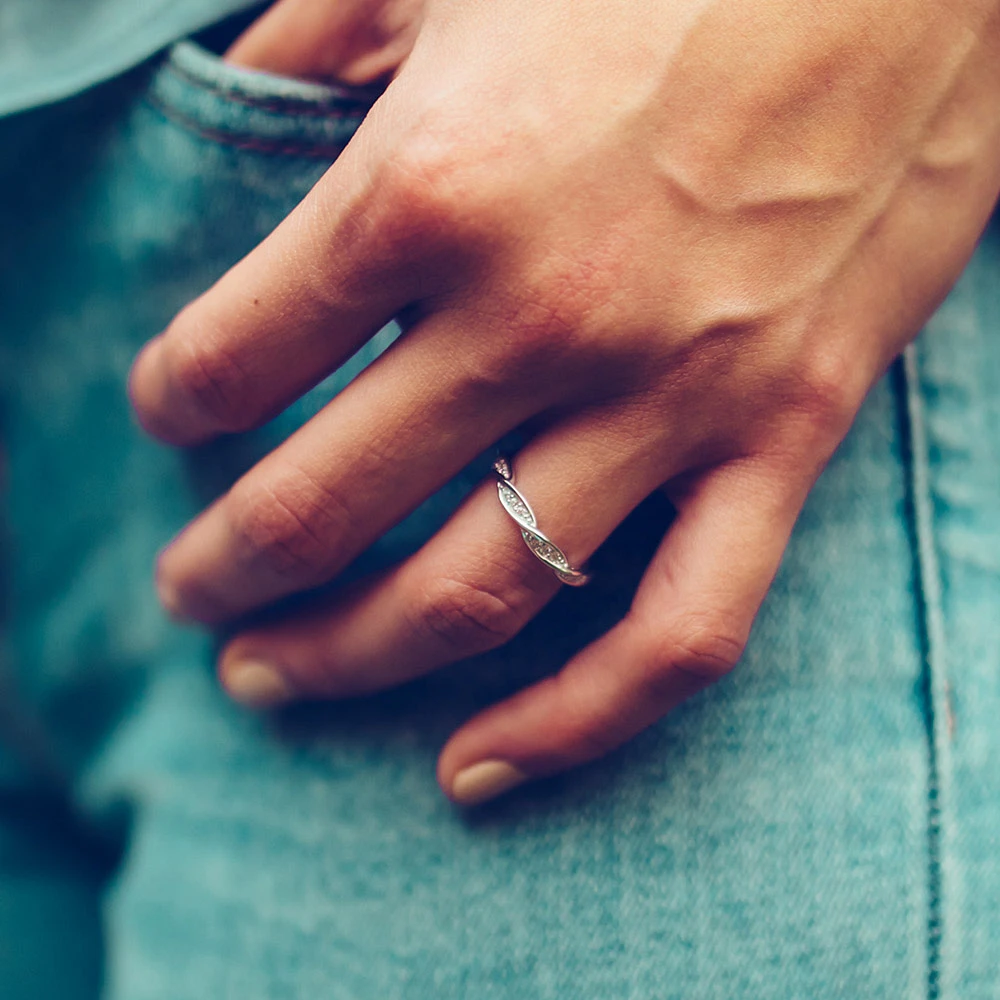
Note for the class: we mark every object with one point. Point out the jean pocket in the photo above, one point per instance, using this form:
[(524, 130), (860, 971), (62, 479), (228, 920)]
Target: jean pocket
[(199, 91)]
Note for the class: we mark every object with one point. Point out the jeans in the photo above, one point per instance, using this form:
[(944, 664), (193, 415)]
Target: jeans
[(825, 823)]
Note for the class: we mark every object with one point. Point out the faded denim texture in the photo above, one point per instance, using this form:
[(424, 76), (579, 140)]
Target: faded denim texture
[(823, 824), (50, 49)]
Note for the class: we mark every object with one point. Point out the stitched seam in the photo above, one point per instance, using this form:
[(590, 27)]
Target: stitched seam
[(285, 105), (254, 143), (934, 683)]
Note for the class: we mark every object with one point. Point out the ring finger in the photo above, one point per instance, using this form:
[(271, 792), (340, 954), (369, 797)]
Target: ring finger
[(406, 425), (472, 587)]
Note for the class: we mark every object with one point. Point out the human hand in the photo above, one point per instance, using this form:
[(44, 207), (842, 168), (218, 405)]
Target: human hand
[(355, 42), (681, 239)]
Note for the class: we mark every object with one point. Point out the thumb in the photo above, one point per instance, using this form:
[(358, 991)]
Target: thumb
[(356, 42)]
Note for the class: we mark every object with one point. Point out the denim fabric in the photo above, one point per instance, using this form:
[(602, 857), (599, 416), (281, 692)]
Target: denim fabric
[(51, 873), (955, 402), (50, 49), (823, 824)]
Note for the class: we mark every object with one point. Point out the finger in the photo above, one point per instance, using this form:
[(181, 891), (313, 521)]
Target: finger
[(355, 41), (471, 587), (687, 627), (400, 431), (334, 272)]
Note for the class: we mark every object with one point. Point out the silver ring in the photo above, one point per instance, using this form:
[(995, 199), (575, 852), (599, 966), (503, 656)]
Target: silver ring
[(542, 547)]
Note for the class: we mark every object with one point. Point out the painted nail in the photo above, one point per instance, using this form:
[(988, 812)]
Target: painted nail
[(256, 685), (171, 602), (483, 781)]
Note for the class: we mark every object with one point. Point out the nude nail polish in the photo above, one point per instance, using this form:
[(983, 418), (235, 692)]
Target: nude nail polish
[(170, 601), (483, 781), (256, 685)]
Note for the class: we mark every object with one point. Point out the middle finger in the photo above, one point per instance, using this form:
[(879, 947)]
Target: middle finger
[(398, 432), (472, 586)]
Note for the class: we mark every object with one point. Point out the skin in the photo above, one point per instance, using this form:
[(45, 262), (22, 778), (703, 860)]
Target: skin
[(680, 240)]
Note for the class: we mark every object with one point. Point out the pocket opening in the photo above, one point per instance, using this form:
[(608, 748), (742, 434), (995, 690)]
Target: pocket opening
[(196, 89)]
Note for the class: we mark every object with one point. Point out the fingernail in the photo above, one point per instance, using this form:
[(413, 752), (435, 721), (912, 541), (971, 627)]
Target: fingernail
[(483, 781), (141, 357), (256, 685), (171, 601), (139, 372)]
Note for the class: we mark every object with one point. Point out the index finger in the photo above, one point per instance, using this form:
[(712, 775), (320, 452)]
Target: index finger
[(329, 277)]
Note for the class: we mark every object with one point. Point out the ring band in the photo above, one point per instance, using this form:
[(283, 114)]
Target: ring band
[(542, 547)]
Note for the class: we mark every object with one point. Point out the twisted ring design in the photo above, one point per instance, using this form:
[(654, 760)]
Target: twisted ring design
[(541, 546)]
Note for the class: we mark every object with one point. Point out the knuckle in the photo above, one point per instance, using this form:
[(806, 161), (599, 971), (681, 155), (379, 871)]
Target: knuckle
[(472, 617), (700, 648), (424, 176), (292, 527), (440, 193), (827, 391), (214, 381)]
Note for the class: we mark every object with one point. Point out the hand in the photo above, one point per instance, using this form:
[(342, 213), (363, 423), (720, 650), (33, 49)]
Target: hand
[(681, 239), (352, 41)]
